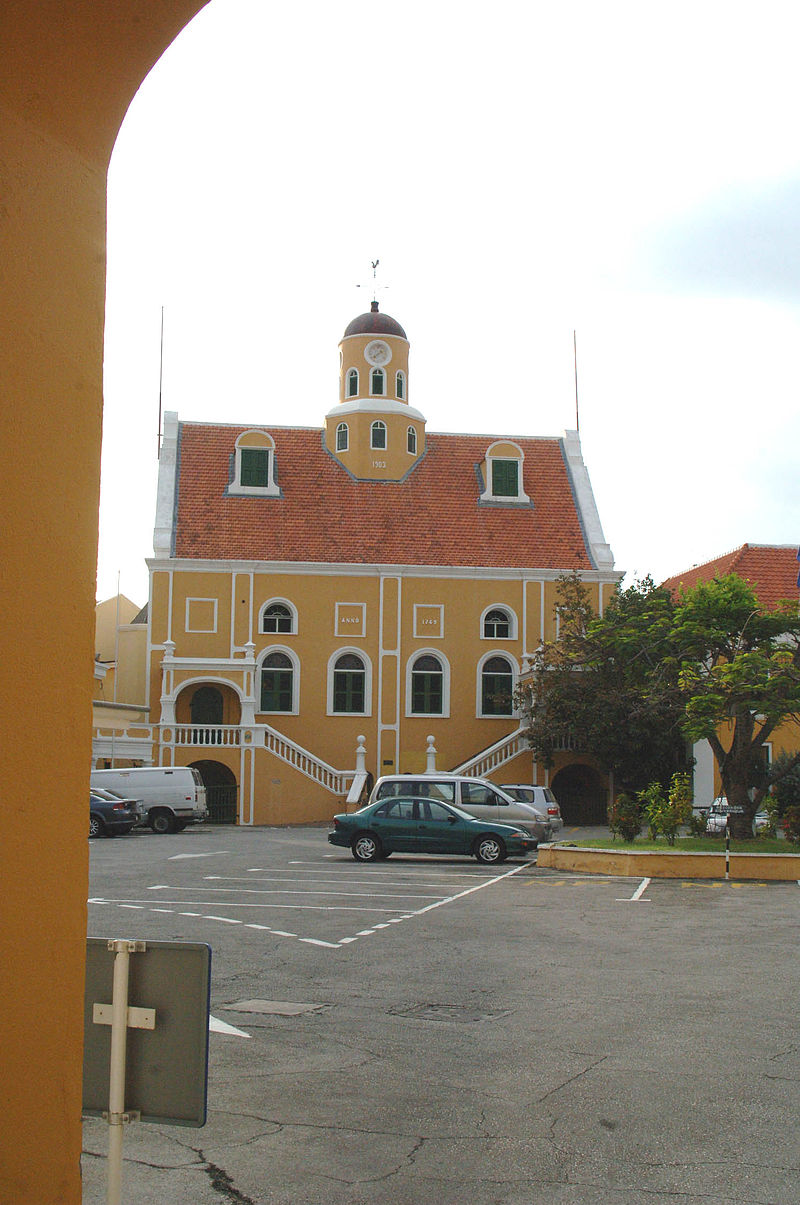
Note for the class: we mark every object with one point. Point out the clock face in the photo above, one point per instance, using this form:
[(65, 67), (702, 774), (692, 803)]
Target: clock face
[(377, 352)]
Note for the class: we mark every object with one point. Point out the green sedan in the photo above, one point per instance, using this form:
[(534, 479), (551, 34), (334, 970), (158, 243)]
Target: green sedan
[(425, 826)]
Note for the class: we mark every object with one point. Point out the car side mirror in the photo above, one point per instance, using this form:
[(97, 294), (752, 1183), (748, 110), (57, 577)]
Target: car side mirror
[(452, 819)]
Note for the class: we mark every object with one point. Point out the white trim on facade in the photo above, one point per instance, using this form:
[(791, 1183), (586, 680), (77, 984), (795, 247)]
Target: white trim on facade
[(367, 663), (215, 609), (295, 660), (513, 626), (514, 663), (445, 664), (283, 602), (584, 500)]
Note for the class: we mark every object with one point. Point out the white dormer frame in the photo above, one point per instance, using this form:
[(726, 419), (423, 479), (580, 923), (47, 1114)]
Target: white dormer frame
[(267, 444), (491, 458)]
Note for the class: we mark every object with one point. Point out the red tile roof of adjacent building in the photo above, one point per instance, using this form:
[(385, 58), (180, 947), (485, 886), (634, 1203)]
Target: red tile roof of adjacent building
[(771, 569), (433, 517)]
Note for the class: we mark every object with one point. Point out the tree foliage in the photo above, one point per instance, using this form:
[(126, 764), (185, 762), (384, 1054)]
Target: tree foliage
[(634, 685), (740, 676), (608, 685)]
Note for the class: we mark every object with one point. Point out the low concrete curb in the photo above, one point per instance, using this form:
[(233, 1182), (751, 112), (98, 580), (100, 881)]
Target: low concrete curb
[(633, 863)]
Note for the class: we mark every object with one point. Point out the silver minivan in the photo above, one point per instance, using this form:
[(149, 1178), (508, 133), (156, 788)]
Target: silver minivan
[(474, 795)]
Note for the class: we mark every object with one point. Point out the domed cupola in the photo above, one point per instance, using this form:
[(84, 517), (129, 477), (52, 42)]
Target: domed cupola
[(374, 323), (373, 431)]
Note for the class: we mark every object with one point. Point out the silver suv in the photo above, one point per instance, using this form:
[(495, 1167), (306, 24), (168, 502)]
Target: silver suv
[(474, 795), (542, 798)]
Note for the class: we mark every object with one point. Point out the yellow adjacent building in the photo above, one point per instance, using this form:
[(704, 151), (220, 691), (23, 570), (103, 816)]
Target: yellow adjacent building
[(329, 604)]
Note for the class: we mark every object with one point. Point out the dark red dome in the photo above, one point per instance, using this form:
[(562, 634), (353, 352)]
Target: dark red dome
[(374, 323)]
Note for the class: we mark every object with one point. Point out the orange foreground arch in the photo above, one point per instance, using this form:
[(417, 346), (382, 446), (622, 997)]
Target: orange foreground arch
[(69, 73)]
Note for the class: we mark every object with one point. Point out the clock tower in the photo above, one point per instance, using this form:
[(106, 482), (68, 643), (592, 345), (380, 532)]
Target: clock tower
[(373, 431)]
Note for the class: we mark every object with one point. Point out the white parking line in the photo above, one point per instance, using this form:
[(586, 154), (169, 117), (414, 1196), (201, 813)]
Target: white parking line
[(637, 897)]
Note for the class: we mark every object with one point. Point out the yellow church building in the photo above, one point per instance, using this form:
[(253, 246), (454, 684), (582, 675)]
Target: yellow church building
[(329, 604)]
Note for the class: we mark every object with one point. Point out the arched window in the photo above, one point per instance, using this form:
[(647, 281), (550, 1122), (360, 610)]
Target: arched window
[(496, 624), (342, 437), (277, 683), (411, 440), (277, 617), (378, 435), (352, 382), (349, 685), (377, 382), (427, 686), (497, 687), (400, 385)]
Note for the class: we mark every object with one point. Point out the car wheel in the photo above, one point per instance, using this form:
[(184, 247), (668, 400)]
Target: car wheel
[(490, 850), (366, 848), (162, 822), (96, 826)]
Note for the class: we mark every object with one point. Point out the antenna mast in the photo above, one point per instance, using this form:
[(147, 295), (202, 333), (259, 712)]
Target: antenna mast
[(575, 360), (160, 382)]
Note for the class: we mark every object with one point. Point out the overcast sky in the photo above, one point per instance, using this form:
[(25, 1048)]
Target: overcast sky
[(630, 171)]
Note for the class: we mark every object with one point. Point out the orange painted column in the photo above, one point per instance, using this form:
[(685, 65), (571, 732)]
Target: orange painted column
[(69, 72)]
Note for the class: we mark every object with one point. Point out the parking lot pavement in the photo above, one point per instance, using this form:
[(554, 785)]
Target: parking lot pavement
[(498, 1038)]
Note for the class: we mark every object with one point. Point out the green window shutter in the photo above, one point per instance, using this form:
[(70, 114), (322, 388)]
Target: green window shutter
[(505, 478), (254, 467)]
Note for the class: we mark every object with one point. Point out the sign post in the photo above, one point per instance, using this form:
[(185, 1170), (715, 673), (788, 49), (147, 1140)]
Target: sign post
[(146, 1060)]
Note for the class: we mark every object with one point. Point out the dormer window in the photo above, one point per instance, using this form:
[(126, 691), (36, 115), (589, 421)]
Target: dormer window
[(254, 466), (400, 386), (352, 382), (342, 437), (505, 478), (502, 472), (377, 382), (378, 435), (411, 440)]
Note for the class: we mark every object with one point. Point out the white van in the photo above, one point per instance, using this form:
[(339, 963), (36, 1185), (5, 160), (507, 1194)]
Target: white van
[(171, 796)]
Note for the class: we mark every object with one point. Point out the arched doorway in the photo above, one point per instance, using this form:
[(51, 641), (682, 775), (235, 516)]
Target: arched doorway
[(206, 706), (221, 791), (581, 795)]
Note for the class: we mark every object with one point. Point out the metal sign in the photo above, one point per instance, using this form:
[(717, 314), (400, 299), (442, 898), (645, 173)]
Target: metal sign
[(166, 1039)]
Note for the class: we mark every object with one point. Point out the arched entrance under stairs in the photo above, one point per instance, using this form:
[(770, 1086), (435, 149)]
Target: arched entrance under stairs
[(221, 791), (581, 795)]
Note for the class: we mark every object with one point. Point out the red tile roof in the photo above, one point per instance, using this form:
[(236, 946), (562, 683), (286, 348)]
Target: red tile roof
[(770, 568), (431, 518)]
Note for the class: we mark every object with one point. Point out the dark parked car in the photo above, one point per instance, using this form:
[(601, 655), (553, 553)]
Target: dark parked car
[(420, 825), (110, 813)]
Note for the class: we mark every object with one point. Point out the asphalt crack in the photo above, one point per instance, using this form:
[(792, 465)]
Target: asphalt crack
[(221, 1182)]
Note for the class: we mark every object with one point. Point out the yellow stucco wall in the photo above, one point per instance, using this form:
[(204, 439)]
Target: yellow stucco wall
[(389, 618), (69, 72)]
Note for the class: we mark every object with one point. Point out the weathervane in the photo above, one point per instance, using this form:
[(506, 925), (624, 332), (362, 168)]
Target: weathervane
[(376, 288)]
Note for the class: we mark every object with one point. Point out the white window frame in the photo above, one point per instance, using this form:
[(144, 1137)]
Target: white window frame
[(378, 447), (487, 656), (372, 373), (506, 499), (512, 621), (295, 660), (283, 602), (367, 663), (445, 664), (351, 374), (343, 427), (270, 490), (400, 389)]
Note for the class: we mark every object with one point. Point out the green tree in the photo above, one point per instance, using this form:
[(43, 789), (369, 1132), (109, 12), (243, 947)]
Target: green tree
[(740, 677), (609, 685)]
